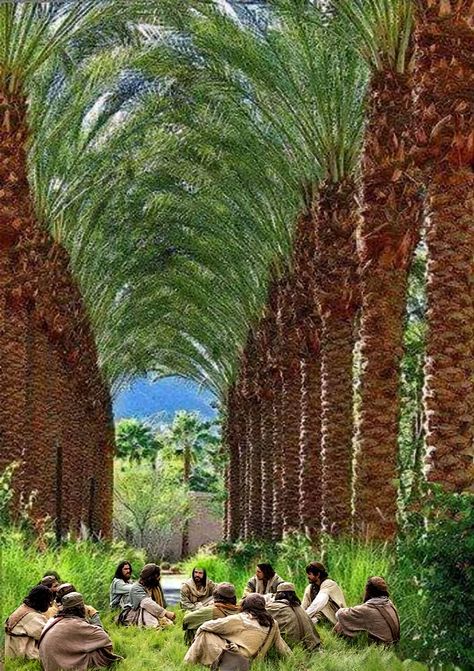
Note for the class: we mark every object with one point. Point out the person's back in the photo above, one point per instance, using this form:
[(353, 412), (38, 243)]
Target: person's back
[(141, 609), (377, 615), (295, 624), (24, 626), (225, 604), (70, 642)]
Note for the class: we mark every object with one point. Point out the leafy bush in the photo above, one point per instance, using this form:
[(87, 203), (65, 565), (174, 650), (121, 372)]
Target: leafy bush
[(437, 550)]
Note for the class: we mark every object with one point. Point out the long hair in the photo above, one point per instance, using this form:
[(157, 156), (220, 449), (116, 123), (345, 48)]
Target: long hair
[(39, 598), (257, 609), (317, 569), (267, 570), (204, 577), (118, 570), (375, 587), (153, 580), (290, 596)]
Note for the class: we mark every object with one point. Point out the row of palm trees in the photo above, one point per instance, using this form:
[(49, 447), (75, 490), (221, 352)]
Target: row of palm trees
[(241, 207)]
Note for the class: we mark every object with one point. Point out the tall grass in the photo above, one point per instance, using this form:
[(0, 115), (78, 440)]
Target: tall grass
[(91, 567)]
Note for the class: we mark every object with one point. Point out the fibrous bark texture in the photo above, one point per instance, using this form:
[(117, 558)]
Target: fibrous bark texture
[(337, 294), (444, 109), (387, 235), (232, 428), (55, 415)]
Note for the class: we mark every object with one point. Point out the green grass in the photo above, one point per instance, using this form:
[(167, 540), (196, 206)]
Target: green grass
[(91, 567)]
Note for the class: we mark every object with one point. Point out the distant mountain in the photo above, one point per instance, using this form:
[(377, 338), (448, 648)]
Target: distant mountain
[(149, 400)]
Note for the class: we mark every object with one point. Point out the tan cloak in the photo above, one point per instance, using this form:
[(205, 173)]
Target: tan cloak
[(255, 585), (193, 597), (295, 624), (336, 600), (23, 631), (378, 617), (144, 611), (72, 643), (243, 630)]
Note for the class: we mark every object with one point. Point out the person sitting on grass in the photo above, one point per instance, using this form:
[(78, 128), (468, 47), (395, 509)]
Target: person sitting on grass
[(323, 597), (68, 641), (24, 626), (295, 624), (51, 582), (196, 592), (225, 603), (377, 615), (248, 635), (121, 585), (146, 606), (92, 615), (265, 581), (55, 574)]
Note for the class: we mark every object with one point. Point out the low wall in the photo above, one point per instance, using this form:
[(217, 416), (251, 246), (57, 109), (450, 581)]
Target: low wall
[(204, 527)]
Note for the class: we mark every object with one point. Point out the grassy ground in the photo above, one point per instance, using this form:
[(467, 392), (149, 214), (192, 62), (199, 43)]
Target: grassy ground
[(90, 567)]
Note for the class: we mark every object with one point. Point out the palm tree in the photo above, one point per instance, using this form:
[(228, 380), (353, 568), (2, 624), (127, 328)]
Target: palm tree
[(391, 211), (47, 348), (444, 115)]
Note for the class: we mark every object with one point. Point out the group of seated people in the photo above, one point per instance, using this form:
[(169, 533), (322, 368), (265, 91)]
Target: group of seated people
[(55, 625)]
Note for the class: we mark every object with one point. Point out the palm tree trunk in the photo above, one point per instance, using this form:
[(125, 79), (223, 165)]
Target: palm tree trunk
[(278, 427), (267, 446), (241, 433), (444, 110), (254, 527), (337, 292), (234, 484), (388, 233)]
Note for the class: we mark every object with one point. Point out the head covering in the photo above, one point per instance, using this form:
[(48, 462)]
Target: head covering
[(254, 602), (65, 588), (72, 600), (149, 570), (378, 583), (286, 587), (48, 581), (225, 590)]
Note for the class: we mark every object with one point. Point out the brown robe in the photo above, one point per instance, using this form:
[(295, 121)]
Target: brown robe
[(23, 631), (72, 643), (295, 624), (378, 617), (243, 630)]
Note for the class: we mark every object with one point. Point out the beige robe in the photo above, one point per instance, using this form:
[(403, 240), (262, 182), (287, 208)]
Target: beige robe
[(193, 597), (72, 643), (378, 617), (145, 612), (336, 600), (295, 625), (194, 618), (243, 630), (22, 639), (256, 586)]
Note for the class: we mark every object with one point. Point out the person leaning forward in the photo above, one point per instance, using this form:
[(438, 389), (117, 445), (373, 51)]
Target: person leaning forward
[(295, 624), (196, 592), (68, 641), (377, 615), (24, 626), (323, 597), (146, 604), (265, 581), (225, 604), (249, 634)]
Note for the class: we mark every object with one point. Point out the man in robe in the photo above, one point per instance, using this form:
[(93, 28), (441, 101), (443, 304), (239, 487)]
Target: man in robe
[(295, 624), (323, 597), (265, 581), (225, 604), (196, 592), (377, 615), (24, 626), (121, 585), (146, 604), (92, 615), (69, 642), (251, 633)]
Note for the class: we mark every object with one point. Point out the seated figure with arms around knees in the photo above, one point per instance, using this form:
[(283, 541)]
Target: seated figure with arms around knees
[(296, 627), (196, 592), (121, 585), (265, 581), (323, 597), (24, 626), (377, 615), (68, 641), (146, 606), (225, 604), (233, 642)]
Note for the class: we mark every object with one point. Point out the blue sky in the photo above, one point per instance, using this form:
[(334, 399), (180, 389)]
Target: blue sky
[(146, 399)]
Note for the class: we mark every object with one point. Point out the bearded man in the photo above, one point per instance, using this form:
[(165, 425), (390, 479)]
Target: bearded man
[(196, 592), (323, 597), (225, 604), (68, 641), (377, 615)]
